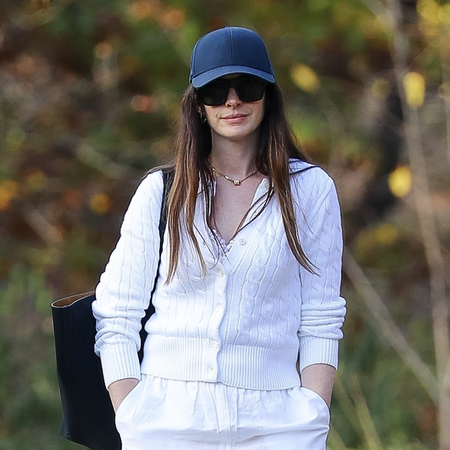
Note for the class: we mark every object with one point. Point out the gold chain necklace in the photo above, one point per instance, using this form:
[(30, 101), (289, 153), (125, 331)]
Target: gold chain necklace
[(235, 181)]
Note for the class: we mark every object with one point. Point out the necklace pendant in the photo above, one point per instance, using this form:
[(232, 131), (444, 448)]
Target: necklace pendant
[(236, 182)]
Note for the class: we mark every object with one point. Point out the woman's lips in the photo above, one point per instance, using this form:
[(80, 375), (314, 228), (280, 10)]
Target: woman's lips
[(234, 118)]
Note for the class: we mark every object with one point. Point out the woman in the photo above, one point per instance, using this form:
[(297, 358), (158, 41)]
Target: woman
[(249, 277)]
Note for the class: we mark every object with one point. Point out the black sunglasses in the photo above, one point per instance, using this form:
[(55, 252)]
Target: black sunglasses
[(248, 89)]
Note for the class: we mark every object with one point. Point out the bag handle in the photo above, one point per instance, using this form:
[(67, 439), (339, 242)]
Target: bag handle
[(67, 301)]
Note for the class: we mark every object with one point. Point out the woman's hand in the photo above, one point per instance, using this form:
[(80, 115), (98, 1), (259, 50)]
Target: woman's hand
[(120, 389), (320, 379)]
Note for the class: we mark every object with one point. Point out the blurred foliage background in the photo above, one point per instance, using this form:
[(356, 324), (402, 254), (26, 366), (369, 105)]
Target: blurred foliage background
[(89, 94)]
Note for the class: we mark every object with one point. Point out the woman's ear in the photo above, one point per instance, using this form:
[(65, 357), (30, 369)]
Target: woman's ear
[(202, 113)]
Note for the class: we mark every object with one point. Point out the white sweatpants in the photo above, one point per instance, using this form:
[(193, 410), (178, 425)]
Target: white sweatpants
[(162, 414)]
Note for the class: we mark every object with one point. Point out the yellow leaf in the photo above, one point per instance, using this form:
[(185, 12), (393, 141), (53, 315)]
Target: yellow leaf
[(429, 10), (429, 17), (444, 15), (400, 181), (305, 78), (100, 203), (8, 190), (386, 234), (141, 10), (414, 86), (173, 18)]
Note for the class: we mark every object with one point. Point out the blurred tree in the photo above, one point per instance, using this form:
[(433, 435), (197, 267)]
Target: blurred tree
[(89, 93)]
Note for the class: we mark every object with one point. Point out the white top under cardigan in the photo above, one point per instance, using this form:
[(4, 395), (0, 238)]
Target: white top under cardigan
[(244, 323)]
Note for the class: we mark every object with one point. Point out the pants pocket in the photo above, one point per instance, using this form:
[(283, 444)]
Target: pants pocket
[(128, 404), (317, 404)]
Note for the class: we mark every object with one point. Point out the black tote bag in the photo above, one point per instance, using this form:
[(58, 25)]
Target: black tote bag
[(88, 415)]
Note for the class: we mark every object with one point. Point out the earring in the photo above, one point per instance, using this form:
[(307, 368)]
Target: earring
[(202, 116)]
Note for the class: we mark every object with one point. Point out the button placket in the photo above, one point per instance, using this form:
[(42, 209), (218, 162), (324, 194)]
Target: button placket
[(214, 338)]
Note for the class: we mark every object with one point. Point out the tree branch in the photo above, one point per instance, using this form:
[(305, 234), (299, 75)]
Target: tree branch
[(386, 324)]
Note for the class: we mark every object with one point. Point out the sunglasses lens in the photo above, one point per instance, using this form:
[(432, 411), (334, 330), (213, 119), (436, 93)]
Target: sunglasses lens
[(248, 89), (213, 94)]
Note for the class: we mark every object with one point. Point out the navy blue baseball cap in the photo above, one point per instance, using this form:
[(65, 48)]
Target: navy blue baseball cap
[(226, 51)]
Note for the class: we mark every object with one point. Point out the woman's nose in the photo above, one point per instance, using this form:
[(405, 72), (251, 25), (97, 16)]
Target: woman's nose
[(233, 98)]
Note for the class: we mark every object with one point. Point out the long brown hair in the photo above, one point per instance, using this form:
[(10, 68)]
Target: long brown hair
[(276, 146)]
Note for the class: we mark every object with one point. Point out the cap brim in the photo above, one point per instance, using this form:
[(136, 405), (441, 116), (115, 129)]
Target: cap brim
[(210, 75)]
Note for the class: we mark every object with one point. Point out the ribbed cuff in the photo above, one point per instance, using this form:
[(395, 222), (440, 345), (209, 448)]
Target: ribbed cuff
[(120, 361), (315, 350)]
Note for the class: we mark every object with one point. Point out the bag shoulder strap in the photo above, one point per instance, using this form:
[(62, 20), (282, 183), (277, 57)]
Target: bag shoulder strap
[(168, 176)]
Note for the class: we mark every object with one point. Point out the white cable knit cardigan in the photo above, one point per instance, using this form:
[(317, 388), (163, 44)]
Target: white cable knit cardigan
[(257, 309)]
